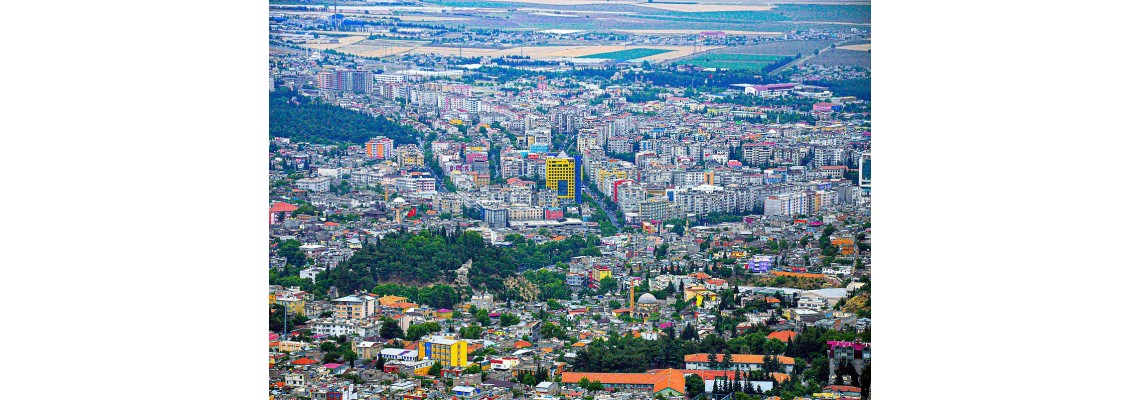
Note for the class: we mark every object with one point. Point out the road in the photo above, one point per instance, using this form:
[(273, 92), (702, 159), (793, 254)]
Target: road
[(609, 213)]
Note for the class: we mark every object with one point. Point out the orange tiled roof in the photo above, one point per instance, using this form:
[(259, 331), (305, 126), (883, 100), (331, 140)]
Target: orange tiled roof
[(404, 305), (708, 374), (780, 377), (842, 388), (522, 343), (304, 361), (783, 336), (661, 379), (739, 358)]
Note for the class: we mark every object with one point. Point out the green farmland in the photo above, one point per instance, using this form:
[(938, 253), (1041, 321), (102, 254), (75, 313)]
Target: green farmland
[(628, 54), (733, 61)]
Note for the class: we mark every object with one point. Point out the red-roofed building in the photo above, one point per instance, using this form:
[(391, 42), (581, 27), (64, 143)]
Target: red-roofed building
[(844, 391), (783, 336), (667, 382), (304, 361), (743, 362), (278, 210)]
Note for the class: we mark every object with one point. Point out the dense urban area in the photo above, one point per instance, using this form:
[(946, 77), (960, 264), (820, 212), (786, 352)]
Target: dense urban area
[(548, 199)]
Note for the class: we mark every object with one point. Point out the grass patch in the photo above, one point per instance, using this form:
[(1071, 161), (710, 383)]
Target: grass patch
[(628, 54)]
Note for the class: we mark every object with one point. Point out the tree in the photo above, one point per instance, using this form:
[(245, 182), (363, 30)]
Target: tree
[(865, 380), (528, 379), (694, 384), (435, 369), (509, 320), (689, 333), (607, 284), (552, 330), (553, 304), (351, 357), (390, 329), (417, 331)]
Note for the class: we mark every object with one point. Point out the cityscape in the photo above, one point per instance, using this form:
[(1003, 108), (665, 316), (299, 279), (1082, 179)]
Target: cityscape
[(576, 199)]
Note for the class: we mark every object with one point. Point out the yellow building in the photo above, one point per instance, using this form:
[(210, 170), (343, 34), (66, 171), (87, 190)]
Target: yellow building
[(560, 177), (291, 346), (600, 273), (368, 350), (294, 305), (449, 352), (481, 180), (700, 293), (846, 245), (616, 174)]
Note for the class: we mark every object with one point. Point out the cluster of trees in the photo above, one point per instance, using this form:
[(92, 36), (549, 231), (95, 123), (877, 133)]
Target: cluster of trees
[(338, 350), (551, 285), (291, 250), (859, 87), (438, 296), (417, 331), (434, 255), (644, 96), (531, 379), (305, 119), (344, 217), (277, 318)]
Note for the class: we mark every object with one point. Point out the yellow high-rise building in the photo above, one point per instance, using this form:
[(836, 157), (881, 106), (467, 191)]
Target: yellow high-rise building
[(448, 352), (561, 177)]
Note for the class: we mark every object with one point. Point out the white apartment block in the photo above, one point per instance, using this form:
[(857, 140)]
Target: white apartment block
[(318, 185)]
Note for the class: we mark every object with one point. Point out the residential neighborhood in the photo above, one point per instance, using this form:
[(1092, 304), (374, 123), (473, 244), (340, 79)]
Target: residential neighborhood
[(660, 223)]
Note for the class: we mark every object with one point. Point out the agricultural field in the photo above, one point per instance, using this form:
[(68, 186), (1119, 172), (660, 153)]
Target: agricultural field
[(604, 16), (629, 54), (733, 61), (840, 58), (783, 47), (856, 47), (387, 47), (692, 8), (693, 32), (341, 42)]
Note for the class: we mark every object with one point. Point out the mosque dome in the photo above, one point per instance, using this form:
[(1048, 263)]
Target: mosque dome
[(647, 299)]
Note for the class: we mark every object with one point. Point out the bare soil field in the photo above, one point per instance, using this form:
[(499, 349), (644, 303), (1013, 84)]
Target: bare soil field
[(835, 58), (342, 42), (422, 18), (856, 47)]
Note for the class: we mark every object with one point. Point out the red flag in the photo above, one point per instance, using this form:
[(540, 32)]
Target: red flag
[(412, 213)]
